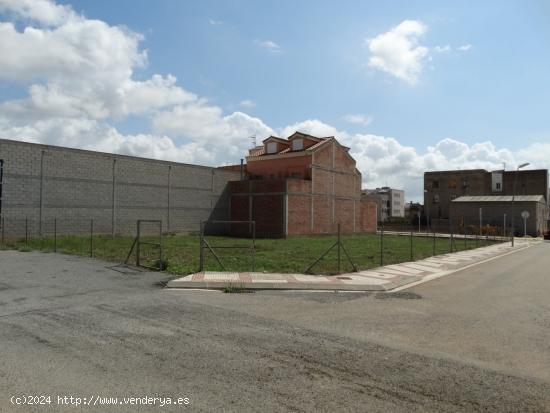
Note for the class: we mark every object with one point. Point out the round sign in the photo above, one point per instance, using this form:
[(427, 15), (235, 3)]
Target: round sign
[(525, 214)]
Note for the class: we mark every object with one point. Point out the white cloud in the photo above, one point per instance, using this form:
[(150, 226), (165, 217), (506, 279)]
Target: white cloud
[(226, 137), (397, 51), (80, 76), (442, 49), (384, 160), (359, 119), (448, 48), (247, 103), (215, 22), (43, 11), (78, 67), (269, 45)]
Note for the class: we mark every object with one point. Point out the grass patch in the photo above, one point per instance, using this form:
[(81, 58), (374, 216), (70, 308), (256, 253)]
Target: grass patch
[(235, 289), (293, 255)]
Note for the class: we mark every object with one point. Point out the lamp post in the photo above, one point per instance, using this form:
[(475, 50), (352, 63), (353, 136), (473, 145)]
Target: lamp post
[(513, 197)]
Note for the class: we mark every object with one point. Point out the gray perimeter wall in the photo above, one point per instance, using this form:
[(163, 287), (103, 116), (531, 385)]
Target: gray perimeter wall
[(44, 183)]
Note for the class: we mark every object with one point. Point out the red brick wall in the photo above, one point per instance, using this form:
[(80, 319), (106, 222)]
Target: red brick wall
[(368, 216), (298, 185), (267, 201), (344, 215), (323, 156), (280, 167), (322, 215), (344, 185), (322, 181), (268, 212), (299, 214)]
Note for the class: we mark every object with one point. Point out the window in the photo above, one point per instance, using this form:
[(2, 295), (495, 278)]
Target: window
[(436, 199), (498, 185), (296, 175), (297, 144), (435, 184), (272, 147)]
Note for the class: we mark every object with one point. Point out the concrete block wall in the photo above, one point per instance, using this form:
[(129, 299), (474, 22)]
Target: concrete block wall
[(44, 184)]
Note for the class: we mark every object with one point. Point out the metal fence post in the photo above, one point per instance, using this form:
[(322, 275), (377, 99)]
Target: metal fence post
[(161, 263), (253, 246), (433, 244), (339, 261), (411, 244), (55, 235), (138, 239), (382, 246), (3, 223), (91, 238), (201, 250), (26, 231), (451, 242)]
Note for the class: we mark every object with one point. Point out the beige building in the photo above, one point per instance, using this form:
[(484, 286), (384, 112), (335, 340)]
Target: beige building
[(390, 202)]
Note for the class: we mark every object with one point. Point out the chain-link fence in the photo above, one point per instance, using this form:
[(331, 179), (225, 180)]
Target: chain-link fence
[(233, 246)]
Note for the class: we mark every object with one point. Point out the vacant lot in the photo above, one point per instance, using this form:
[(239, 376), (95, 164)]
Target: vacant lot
[(271, 255)]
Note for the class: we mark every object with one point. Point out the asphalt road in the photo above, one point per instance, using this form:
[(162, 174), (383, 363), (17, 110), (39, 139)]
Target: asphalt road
[(478, 340)]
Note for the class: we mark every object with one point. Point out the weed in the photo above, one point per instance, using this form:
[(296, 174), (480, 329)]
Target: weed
[(235, 289)]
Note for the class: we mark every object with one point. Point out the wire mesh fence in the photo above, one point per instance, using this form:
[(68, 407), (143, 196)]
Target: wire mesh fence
[(233, 246)]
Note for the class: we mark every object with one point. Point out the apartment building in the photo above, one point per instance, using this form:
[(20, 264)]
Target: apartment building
[(301, 185), (390, 202)]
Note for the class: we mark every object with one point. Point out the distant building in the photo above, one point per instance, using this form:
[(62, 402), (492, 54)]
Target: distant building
[(390, 202), (414, 209), (441, 188), (476, 211), (299, 186)]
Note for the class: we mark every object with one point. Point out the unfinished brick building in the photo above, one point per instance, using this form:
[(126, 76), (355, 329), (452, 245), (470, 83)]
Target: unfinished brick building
[(300, 186)]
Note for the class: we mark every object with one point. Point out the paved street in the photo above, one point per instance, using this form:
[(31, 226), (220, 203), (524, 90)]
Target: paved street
[(477, 340)]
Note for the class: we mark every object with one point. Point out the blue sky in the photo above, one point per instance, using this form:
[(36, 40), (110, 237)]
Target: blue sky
[(494, 91), (418, 85)]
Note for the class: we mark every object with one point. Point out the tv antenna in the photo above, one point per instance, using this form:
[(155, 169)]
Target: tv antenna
[(253, 140)]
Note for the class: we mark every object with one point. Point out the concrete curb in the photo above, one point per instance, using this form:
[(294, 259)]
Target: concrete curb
[(398, 283), (178, 283)]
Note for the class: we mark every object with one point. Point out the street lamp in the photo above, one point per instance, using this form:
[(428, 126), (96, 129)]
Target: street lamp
[(523, 165)]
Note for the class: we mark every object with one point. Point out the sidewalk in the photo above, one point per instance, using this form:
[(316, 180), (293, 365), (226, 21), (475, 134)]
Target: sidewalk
[(390, 277)]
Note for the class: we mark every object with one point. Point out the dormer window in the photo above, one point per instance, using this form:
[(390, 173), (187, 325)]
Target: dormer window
[(297, 144), (272, 147)]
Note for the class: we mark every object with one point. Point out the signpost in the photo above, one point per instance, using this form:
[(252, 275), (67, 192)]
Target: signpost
[(525, 215)]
